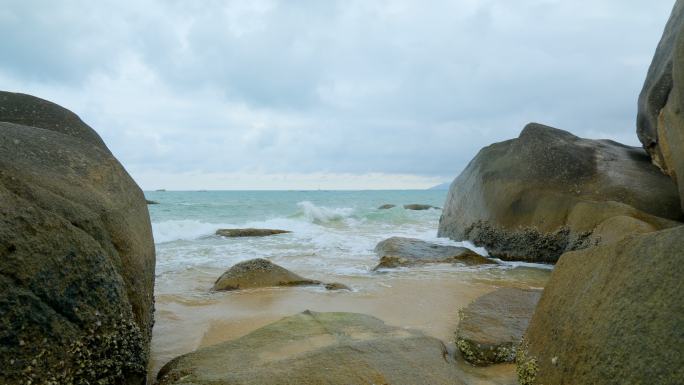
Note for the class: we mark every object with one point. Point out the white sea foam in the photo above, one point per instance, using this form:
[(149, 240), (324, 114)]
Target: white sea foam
[(182, 229), (321, 215)]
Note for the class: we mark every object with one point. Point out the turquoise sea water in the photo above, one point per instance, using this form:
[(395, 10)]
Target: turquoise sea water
[(332, 240), (333, 232)]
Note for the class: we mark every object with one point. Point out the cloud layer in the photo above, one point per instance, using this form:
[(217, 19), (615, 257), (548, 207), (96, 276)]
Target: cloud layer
[(351, 91)]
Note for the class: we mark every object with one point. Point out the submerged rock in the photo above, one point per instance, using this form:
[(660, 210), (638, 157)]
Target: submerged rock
[(548, 191), (492, 326), (386, 206), (660, 124), (259, 272), (234, 233), (419, 207), (149, 202), (319, 348), (76, 253), (399, 251), (612, 314)]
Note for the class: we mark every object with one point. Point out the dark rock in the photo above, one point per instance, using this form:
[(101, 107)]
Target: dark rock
[(492, 326), (319, 348), (548, 191), (259, 272), (612, 314), (235, 233), (420, 207), (399, 251), (386, 207), (337, 286), (76, 253), (149, 202), (660, 124)]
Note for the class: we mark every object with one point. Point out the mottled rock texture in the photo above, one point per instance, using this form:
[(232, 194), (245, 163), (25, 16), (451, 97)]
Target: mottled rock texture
[(660, 124), (257, 273), (323, 349), (419, 207), (548, 191), (612, 314), (492, 326), (76, 253), (400, 251)]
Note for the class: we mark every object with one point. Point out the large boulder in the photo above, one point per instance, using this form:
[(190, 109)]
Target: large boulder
[(259, 272), (548, 191), (492, 326), (612, 314), (400, 252), (660, 124), (319, 348), (76, 253)]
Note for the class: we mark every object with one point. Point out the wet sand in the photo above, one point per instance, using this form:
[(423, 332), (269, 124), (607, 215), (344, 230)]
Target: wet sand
[(189, 316)]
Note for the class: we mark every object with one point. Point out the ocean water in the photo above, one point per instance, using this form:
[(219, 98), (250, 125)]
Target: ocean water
[(332, 240)]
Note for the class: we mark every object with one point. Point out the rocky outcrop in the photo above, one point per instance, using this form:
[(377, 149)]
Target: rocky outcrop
[(149, 202), (611, 314), (548, 191), (259, 272), (660, 124), (492, 326), (235, 233), (76, 253), (399, 251), (419, 207), (319, 348), (386, 206)]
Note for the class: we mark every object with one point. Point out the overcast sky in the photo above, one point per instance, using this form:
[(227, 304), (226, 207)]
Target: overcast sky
[(330, 94)]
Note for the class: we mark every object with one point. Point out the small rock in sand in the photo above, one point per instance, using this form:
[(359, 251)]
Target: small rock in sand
[(259, 272), (399, 251), (492, 326)]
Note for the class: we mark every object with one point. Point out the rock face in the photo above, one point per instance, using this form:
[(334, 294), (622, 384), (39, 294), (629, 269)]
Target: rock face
[(492, 326), (234, 233), (399, 251), (319, 348), (386, 206), (612, 314), (257, 273), (419, 207), (548, 191), (76, 253), (660, 124)]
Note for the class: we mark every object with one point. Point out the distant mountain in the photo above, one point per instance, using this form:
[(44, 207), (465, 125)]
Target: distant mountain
[(443, 186)]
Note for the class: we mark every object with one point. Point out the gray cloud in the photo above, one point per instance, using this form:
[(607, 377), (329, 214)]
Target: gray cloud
[(339, 87)]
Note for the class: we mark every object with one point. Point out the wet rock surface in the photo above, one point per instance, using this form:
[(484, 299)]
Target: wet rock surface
[(76, 253), (419, 207), (546, 192), (492, 326), (386, 206), (249, 232), (319, 348), (258, 273), (400, 251)]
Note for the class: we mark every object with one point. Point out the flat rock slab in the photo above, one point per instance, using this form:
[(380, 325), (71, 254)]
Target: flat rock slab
[(257, 273), (235, 233), (386, 207), (420, 207), (319, 348), (400, 251), (492, 326)]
